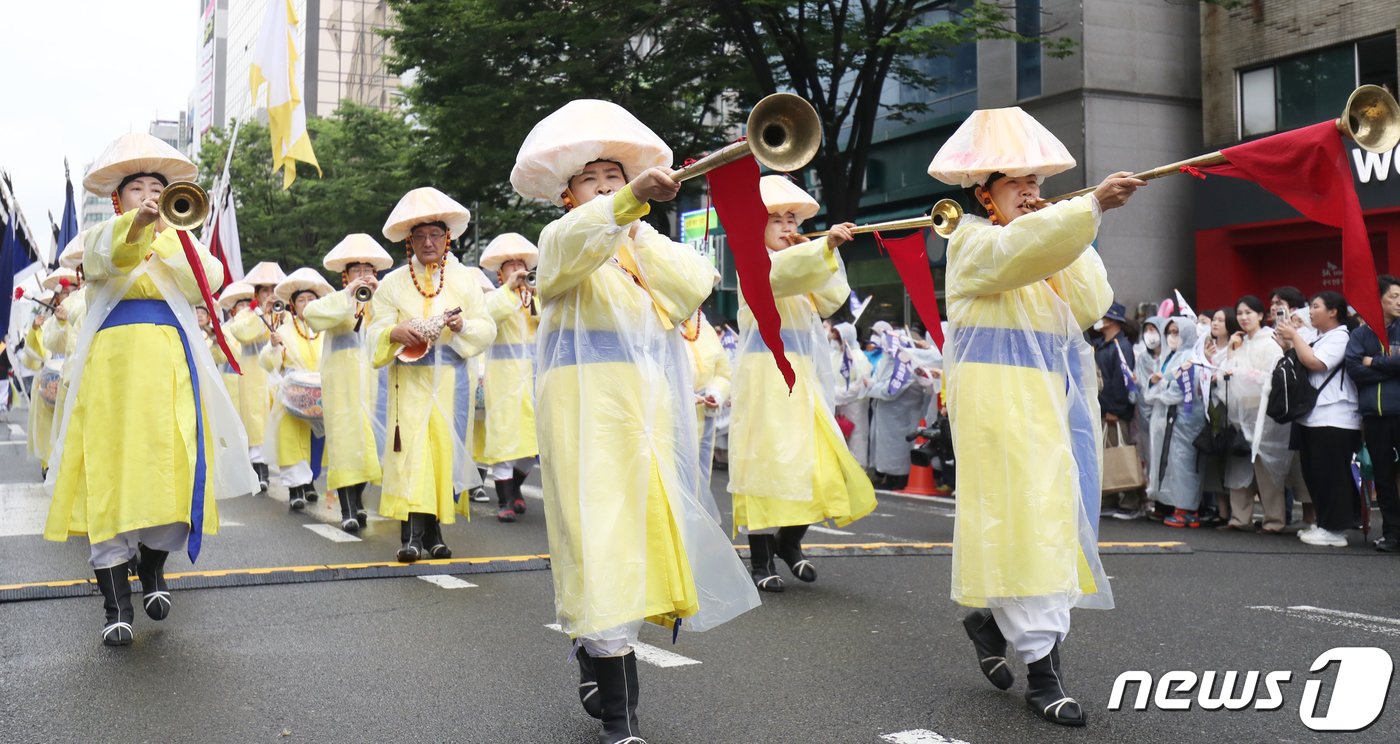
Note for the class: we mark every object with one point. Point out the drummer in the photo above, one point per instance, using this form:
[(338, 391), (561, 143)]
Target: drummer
[(426, 463), (294, 348), (510, 447), (251, 330), (349, 382)]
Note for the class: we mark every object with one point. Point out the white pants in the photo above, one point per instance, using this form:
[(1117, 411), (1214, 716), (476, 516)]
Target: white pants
[(120, 549), (613, 641), (505, 470), (1032, 628), (255, 454), (296, 474)]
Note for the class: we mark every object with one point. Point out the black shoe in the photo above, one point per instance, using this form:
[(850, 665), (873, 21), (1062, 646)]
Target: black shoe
[(990, 645), (296, 498), (519, 477), (1045, 692), (155, 594), (261, 469), (505, 490), (411, 533), (1388, 545), (789, 548), (588, 684), (761, 564), (310, 494), (346, 496), (618, 690), (361, 515), (116, 600), (432, 538)]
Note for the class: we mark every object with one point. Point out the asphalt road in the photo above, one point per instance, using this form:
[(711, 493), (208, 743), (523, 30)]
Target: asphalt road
[(872, 652)]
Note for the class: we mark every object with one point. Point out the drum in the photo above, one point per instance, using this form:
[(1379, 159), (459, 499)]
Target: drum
[(49, 379), (301, 395)]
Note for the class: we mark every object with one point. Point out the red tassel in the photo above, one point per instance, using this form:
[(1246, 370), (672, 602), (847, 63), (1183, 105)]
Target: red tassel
[(398, 443)]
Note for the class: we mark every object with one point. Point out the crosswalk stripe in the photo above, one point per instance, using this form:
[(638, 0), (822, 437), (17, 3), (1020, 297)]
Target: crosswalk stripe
[(919, 736), (828, 530), (448, 582), (648, 653), (334, 534), (16, 431)]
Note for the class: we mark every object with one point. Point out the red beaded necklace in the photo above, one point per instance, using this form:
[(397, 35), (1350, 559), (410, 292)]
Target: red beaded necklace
[(442, 278), (691, 336), (296, 323)]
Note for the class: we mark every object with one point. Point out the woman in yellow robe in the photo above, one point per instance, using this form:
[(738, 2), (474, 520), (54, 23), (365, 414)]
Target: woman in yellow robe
[(510, 447), (350, 384), (788, 462), (251, 331), (629, 539), (1023, 285), (40, 410), (149, 437), (293, 357), (712, 386), (426, 464)]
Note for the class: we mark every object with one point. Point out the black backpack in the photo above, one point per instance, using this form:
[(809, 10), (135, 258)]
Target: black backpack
[(1292, 397)]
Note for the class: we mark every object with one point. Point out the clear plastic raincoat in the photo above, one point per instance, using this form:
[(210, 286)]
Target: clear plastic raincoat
[(788, 461), (76, 306), (288, 438), (1251, 374), (897, 404), (629, 537), (252, 394), (349, 390), (426, 462), (1178, 415), (853, 383), (712, 377), (510, 379), (1022, 397)]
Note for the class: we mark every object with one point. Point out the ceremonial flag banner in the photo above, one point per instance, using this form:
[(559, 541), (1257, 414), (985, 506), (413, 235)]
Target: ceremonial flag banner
[(909, 255), (275, 65), (1308, 169), (68, 228), (14, 258)]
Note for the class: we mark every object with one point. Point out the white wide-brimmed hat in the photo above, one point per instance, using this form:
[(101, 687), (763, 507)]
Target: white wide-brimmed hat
[(234, 293), (53, 281), (781, 195), (509, 247), (426, 204), (580, 133), (481, 278), (72, 255), (1004, 140), (302, 279), (135, 153), (264, 274), (357, 248)]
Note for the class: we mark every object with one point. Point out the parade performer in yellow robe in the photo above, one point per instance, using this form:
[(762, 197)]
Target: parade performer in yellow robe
[(476, 367), (149, 436), (629, 538), (712, 386), (788, 462), (510, 447), (251, 331), (1023, 284), (72, 312), (349, 382), (53, 336), (235, 300), (293, 357), (429, 319)]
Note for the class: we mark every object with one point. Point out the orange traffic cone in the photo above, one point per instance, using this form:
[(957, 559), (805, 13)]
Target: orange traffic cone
[(921, 481)]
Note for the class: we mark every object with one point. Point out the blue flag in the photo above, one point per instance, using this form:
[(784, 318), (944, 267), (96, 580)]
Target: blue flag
[(68, 227)]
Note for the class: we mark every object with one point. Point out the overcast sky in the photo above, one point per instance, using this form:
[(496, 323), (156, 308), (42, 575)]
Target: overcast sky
[(80, 73)]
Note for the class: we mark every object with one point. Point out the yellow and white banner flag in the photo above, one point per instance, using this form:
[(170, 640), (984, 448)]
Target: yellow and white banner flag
[(275, 64)]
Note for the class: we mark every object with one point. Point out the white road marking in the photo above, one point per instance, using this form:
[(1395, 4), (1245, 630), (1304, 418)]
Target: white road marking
[(919, 736), (1339, 618), (16, 431), (24, 507), (334, 534), (827, 530), (230, 523), (448, 582), (532, 492), (650, 654), (15, 443)]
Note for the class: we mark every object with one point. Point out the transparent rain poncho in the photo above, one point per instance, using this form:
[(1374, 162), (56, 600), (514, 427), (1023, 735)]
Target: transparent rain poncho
[(349, 390), (1022, 399), (629, 537), (296, 365), (1178, 415), (1251, 370), (510, 379)]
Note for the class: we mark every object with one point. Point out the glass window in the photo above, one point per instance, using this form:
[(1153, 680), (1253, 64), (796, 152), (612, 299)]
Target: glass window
[(1027, 53), (1375, 62), (1314, 87), (1257, 101)]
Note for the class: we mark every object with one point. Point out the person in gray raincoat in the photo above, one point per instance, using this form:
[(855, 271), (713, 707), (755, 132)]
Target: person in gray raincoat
[(896, 403), (1177, 416)]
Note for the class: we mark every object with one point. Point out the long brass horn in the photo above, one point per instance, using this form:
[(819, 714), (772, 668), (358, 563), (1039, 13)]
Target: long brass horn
[(783, 133), (183, 205), (909, 223), (1371, 119)]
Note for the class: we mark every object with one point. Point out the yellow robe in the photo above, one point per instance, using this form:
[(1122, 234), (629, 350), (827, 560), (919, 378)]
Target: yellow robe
[(76, 306), (788, 461), (712, 377), (128, 459), (349, 390), (1021, 393), (40, 412), (250, 390), (419, 472), (297, 353), (510, 381), (628, 538)]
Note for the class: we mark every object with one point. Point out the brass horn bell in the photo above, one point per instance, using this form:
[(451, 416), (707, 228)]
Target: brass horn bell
[(783, 133), (183, 205), (363, 293)]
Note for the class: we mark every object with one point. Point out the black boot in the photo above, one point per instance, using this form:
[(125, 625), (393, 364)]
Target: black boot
[(347, 509), (588, 684), (296, 498), (517, 501), (618, 690), (411, 533), (432, 538), (361, 515), (990, 645), (155, 594), (761, 563), (519, 476), (504, 490), (261, 469), (309, 493), (1045, 691), (789, 548), (116, 600)]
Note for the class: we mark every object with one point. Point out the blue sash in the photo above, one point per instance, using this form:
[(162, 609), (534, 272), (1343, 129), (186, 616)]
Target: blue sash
[(156, 312)]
